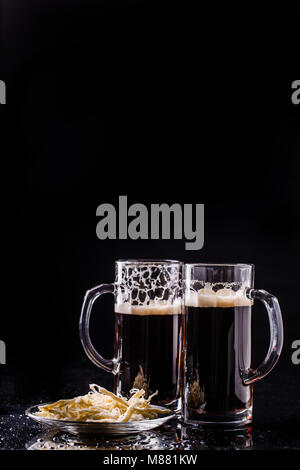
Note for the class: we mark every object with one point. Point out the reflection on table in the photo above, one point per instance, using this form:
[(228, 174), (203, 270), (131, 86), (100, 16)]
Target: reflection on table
[(174, 436)]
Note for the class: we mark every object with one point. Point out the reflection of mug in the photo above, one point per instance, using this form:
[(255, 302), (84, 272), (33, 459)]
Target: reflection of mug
[(148, 329), (218, 375), (219, 438)]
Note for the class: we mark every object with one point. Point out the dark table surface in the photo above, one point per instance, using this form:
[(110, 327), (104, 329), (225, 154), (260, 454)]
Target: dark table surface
[(276, 420), (19, 432), (274, 428)]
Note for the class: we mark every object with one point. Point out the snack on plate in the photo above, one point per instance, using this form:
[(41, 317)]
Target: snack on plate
[(103, 406)]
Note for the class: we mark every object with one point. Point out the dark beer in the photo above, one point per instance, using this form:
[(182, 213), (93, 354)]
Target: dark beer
[(148, 350), (218, 347)]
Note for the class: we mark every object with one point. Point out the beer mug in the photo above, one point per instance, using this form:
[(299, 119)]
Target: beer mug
[(218, 376), (149, 324)]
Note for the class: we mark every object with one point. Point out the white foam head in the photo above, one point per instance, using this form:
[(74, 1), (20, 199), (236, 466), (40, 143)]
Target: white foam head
[(226, 297), (153, 308)]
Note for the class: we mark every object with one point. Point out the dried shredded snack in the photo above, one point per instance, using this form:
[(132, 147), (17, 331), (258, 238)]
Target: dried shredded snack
[(103, 406)]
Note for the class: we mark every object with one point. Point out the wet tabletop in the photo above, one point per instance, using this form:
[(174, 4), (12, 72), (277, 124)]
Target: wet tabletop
[(18, 432), (276, 425)]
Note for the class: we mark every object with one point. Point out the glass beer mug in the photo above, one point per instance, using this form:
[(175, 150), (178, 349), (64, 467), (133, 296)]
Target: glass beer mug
[(218, 376), (149, 326)]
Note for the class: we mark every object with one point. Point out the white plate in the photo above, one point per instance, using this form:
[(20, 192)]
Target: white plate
[(102, 429)]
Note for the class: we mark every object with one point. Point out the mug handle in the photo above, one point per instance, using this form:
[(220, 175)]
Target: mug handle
[(271, 303), (84, 327)]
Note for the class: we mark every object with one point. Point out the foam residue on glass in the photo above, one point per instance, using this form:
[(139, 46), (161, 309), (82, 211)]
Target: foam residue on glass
[(218, 295), (148, 289)]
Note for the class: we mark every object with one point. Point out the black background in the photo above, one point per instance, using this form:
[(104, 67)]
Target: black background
[(163, 105)]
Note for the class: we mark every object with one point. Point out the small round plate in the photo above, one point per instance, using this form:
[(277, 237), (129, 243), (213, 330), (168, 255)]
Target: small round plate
[(102, 429)]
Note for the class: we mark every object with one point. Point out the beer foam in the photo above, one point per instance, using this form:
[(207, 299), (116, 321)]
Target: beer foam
[(152, 288), (153, 308), (223, 298)]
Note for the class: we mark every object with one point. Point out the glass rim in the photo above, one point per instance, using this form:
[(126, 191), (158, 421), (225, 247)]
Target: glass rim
[(150, 261), (221, 265)]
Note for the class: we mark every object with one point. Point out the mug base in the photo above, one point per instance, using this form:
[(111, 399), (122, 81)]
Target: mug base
[(231, 419)]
